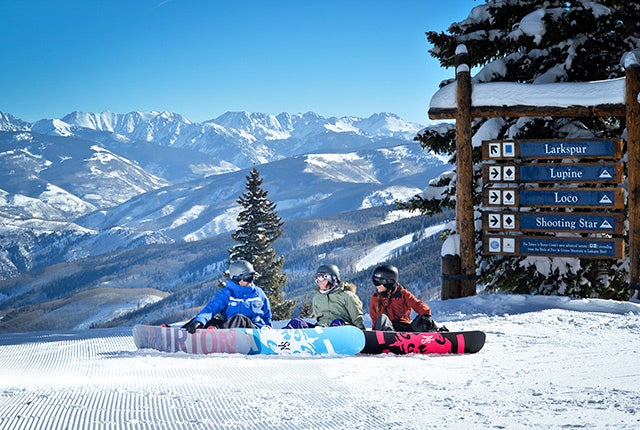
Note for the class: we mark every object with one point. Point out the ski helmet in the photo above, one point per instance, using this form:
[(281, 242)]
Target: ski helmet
[(241, 268), (386, 275), (331, 270)]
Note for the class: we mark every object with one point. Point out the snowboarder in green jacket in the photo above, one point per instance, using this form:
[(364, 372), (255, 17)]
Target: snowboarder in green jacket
[(334, 303)]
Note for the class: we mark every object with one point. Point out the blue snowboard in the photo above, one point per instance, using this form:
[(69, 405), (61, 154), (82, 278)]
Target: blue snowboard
[(319, 340)]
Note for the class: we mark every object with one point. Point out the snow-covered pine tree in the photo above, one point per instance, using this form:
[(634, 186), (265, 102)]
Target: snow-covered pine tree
[(307, 308), (259, 228), (537, 41)]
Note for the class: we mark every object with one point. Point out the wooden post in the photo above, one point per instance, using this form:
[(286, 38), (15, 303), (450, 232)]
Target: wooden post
[(464, 169), (633, 178), (450, 277)]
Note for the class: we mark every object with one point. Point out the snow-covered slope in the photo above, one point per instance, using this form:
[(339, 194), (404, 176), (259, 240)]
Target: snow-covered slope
[(57, 177), (302, 186), (384, 251), (548, 362)]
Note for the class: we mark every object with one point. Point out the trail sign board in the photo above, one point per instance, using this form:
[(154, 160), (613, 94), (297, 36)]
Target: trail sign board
[(609, 198), (549, 246), (552, 149), (606, 173), (573, 197), (552, 222)]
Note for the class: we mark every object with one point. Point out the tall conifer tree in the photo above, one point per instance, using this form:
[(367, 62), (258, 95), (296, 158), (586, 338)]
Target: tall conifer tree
[(259, 228), (537, 41)]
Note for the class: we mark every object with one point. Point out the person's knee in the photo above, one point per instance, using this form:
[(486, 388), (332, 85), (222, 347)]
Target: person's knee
[(383, 323), (239, 321), (337, 322), (297, 323)]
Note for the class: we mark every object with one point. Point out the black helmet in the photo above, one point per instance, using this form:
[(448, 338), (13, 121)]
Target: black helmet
[(332, 270), (386, 275)]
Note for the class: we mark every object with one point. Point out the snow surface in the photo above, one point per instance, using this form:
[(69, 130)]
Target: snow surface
[(549, 362)]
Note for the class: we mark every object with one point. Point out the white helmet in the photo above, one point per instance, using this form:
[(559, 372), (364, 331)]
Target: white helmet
[(330, 270), (240, 268)]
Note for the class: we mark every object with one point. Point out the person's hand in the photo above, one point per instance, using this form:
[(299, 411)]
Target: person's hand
[(192, 326), (423, 323)]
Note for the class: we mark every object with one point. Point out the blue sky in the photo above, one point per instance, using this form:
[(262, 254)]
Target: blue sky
[(201, 58)]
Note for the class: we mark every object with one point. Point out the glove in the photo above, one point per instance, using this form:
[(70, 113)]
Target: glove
[(192, 326), (423, 323)]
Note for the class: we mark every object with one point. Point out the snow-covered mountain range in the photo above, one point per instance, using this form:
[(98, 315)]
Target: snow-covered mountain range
[(91, 183), (236, 139), (98, 207)]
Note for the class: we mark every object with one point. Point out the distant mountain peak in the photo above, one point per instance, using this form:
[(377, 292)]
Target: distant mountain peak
[(9, 122), (54, 127)]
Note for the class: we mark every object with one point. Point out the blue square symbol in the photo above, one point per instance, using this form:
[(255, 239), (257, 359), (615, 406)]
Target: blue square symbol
[(508, 150)]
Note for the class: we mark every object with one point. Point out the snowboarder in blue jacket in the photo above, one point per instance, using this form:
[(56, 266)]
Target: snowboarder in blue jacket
[(240, 302)]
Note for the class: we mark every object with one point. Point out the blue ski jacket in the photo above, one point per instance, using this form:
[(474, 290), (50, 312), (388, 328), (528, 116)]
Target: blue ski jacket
[(235, 299)]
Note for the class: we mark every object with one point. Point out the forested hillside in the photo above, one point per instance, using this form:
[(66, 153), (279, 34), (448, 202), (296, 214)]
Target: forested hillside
[(169, 282)]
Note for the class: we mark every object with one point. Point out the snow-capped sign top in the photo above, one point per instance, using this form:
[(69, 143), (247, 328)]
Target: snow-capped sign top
[(461, 49), (558, 94)]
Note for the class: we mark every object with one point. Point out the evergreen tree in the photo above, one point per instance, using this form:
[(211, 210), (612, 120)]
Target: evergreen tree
[(259, 228), (307, 308), (537, 41)]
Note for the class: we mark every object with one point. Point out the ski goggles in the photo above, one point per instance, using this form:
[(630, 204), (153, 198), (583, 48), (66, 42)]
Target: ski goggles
[(323, 277), (245, 278), (381, 281)]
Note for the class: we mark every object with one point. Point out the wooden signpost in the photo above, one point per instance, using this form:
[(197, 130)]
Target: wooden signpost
[(524, 202)]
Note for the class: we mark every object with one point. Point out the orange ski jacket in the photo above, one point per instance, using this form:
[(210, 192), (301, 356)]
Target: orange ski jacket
[(398, 305)]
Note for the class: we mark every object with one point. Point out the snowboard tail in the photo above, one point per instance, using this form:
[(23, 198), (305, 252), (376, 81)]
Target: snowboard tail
[(464, 342), (174, 339)]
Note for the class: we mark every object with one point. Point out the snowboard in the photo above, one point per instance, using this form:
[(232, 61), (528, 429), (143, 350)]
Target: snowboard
[(318, 340), (463, 342), (175, 339)]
